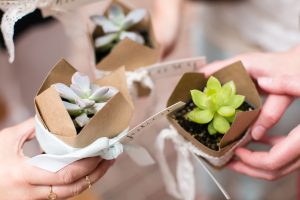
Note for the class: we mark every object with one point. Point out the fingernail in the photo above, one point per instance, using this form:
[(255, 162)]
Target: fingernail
[(258, 132), (264, 81)]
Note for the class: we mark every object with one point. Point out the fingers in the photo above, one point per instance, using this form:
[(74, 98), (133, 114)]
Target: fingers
[(281, 85), (74, 189), (243, 168), (271, 140), (281, 154), (25, 127), (272, 110), (217, 65), (68, 175)]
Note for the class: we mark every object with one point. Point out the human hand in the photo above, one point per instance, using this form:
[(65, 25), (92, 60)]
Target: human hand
[(284, 156), (166, 20), (22, 181), (265, 65)]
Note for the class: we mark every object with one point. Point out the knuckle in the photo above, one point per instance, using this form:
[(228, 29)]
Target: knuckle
[(272, 165), (67, 176), (269, 117)]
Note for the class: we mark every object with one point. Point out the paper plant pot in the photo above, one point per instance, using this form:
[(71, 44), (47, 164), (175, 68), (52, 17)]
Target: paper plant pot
[(112, 119), (243, 120), (127, 52)]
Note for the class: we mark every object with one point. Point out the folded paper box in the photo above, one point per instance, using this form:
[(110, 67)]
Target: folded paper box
[(127, 52), (111, 120), (238, 131)]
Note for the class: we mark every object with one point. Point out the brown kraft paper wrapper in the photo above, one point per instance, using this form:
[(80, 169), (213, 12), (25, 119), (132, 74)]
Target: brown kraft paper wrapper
[(112, 119), (244, 85), (129, 53)]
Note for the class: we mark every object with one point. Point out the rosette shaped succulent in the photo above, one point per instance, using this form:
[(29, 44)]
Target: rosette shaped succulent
[(216, 106), (116, 26), (83, 99)]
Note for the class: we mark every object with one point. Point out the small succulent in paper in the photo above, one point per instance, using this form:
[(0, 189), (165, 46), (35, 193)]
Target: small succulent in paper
[(217, 105), (116, 26), (83, 99)]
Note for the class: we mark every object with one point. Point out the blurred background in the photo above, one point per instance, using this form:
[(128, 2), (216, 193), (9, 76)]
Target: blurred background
[(39, 47)]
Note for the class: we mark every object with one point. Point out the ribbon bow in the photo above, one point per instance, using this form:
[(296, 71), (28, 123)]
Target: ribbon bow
[(59, 154)]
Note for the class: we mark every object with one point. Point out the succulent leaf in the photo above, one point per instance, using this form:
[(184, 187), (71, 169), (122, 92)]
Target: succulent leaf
[(200, 99), (66, 92), (107, 25), (99, 93), (111, 92), (200, 116), (221, 124), (82, 120), (133, 18), (231, 85), (133, 36), (116, 14), (105, 40), (226, 111), (211, 129), (236, 101), (73, 109), (213, 83), (231, 118), (81, 81)]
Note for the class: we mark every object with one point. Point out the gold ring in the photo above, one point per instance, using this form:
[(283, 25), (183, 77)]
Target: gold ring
[(88, 182), (52, 195)]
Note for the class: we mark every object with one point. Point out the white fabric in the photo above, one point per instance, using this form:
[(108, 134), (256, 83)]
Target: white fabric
[(59, 155), (140, 75), (183, 187), (15, 10), (268, 24)]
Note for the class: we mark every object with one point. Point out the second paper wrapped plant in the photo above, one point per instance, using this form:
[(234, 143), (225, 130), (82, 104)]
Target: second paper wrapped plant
[(218, 110), (78, 111), (123, 36)]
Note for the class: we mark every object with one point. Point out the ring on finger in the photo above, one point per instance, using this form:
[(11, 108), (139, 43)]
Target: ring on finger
[(52, 195), (87, 179)]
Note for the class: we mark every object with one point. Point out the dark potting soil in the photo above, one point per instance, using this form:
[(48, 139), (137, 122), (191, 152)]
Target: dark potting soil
[(102, 53), (199, 131)]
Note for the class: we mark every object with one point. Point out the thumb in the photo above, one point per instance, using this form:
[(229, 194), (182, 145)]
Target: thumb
[(288, 85)]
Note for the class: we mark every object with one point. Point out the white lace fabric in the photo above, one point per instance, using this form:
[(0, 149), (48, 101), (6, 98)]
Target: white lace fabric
[(17, 9)]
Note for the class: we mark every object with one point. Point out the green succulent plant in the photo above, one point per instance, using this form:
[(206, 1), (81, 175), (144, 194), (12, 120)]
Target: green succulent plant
[(216, 106), (83, 99), (116, 26)]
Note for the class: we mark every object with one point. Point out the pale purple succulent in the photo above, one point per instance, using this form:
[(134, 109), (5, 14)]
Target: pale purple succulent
[(83, 99), (116, 26)]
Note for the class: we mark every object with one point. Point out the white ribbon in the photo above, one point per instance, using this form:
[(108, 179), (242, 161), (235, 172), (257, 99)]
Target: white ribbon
[(59, 155), (140, 75), (183, 187), (17, 9)]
